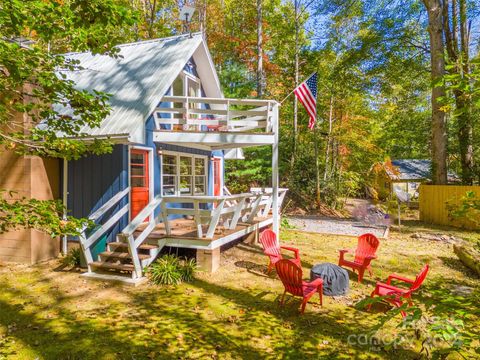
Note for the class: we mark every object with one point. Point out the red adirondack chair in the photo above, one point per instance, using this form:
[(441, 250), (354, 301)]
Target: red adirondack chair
[(268, 239), (291, 275), (364, 254), (396, 295)]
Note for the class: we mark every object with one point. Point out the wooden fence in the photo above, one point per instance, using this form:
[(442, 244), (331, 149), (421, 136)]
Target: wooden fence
[(433, 201)]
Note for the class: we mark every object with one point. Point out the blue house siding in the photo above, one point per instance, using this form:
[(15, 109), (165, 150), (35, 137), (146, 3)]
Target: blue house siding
[(93, 180), (157, 168)]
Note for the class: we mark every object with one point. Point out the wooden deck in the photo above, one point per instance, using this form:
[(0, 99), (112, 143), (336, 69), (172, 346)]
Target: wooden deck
[(184, 233)]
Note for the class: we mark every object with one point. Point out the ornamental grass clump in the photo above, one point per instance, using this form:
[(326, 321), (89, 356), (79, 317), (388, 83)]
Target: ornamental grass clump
[(72, 258), (171, 270)]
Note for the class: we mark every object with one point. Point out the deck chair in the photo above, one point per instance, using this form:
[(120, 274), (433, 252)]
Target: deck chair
[(271, 248), (364, 254), (396, 295), (291, 275)]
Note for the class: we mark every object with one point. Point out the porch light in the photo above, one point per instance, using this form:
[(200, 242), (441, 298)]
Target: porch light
[(159, 151)]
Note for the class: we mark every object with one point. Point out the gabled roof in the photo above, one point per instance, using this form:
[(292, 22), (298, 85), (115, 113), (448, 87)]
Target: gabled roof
[(414, 170), (410, 169), (136, 80)]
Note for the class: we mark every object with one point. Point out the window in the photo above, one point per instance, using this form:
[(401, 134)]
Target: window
[(184, 174), (138, 171), (185, 85)]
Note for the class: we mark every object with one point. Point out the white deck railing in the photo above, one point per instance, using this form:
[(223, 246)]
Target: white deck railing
[(209, 211), (229, 210), (133, 242), (87, 241), (214, 114)]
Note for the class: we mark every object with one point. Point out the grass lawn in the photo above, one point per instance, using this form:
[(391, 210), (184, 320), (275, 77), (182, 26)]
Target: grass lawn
[(49, 313)]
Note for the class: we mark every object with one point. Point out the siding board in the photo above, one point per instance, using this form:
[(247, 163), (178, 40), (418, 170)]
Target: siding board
[(433, 204)]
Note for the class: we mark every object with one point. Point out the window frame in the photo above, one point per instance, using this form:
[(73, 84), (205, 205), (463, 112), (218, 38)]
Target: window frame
[(186, 77), (177, 176)]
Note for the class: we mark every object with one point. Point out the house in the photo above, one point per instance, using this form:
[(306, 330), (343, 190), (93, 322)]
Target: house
[(403, 174), (163, 183)]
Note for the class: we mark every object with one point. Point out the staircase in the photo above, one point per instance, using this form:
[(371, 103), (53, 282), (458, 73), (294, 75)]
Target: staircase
[(125, 259), (116, 263)]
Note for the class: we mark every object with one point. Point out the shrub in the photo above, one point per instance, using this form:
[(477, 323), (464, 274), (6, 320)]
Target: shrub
[(188, 270), (72, 258), (170, 270)]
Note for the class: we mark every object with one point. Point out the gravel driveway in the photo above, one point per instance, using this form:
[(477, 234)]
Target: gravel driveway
[(324, 225)]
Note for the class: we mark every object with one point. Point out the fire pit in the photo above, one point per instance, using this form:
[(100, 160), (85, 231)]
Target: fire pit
[(335, 278)]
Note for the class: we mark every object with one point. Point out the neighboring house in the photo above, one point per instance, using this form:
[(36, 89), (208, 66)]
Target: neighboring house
[(403, 174), (163, 184)]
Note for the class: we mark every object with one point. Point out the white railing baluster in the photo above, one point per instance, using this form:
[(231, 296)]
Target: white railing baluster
[(216, 213), (166, 223), (238, 213), (198, 219), (255, 208)]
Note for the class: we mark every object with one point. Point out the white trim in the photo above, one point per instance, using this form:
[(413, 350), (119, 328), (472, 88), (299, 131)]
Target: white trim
[(200, 53), (215, 140), (151, 182), (65, 201), (177, 175), (222, 180)]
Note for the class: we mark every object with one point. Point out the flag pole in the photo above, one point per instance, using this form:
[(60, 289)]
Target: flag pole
[(291, 92)]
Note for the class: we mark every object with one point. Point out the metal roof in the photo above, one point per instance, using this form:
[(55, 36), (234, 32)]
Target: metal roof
[(414, 169), (136, 80), (411, 169)]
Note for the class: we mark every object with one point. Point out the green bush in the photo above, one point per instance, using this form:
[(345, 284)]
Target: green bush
[(72, 258), (188, 269), (170, 270)]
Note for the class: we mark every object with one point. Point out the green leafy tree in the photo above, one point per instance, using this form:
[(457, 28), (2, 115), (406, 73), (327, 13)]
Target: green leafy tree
[(34, 96)]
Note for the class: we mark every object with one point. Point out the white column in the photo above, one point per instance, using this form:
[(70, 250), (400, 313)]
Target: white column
[(276, 210), (65, 200)]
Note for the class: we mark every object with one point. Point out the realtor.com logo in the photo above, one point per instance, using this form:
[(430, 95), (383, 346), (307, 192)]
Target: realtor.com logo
[(436, 334)]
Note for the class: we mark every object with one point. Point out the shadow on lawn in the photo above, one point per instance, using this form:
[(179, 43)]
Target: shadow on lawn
[(256, 249), (200, 320), (149, 329), (255, 269), (311, 328)]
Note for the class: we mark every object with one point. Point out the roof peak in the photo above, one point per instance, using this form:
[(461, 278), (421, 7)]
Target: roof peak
[(173, 37)]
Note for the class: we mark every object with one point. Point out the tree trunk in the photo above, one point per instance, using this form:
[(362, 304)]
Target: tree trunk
[(459, 57), (259, 49), (439, 125), (465, 128)]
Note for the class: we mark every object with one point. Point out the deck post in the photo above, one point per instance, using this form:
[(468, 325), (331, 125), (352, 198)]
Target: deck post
[(276, 210), (65, 201)]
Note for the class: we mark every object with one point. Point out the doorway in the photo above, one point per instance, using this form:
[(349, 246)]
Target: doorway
[(139, 181), (217, 176)]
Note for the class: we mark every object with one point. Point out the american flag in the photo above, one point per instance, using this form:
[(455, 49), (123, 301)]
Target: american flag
[(306, 93)]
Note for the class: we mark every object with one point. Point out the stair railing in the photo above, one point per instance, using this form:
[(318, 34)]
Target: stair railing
[(87, 241), (134, 243)]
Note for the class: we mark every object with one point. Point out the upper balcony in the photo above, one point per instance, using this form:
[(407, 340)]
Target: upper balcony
[(216, 123)]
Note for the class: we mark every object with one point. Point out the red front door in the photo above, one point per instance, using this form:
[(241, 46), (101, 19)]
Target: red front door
[(139, 181), (217, 177)]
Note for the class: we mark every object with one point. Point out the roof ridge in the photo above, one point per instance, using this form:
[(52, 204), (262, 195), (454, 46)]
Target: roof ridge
[(140, 42)]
